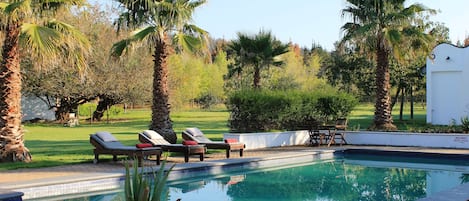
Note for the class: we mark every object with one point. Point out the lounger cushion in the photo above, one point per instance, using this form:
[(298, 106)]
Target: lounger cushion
[(189, 142), (106, 136), (194, 132), (143, 145), (152, 135), (231, 140)]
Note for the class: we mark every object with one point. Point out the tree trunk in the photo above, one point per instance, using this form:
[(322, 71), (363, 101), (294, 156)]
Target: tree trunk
[(411, 92), (65, 107), (160, 117), (394, 100), (12, 146), (401, 110), (383, 118), (257, 78), (104, 103)]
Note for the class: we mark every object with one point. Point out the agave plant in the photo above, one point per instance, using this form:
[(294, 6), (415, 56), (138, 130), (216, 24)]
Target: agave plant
[(140, 187)]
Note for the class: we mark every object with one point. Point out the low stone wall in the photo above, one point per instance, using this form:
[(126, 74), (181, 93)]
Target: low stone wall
[(435, 140), (290, 138), (275, 139)]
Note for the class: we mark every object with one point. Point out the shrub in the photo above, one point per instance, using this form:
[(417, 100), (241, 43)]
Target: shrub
[(263, 110)]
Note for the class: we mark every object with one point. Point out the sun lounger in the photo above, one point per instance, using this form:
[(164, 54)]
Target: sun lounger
[(152, 137), (196, 135), (105, 143)]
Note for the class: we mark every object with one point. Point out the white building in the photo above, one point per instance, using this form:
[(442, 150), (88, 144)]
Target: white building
[(447, 84)]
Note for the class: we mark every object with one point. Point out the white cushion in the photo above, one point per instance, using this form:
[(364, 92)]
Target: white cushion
[(106, 136), (152, 134), (194, 132)]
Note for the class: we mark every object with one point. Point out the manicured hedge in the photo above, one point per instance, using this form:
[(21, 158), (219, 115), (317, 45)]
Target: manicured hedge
[(263, 110)]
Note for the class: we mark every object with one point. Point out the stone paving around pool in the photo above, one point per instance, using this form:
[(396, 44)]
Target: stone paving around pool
[(54, 180)]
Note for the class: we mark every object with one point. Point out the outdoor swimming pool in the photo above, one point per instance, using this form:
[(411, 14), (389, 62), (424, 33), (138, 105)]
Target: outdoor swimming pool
[(348, 177)]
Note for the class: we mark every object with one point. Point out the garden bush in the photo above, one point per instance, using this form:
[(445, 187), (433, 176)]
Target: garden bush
[(264, 110)]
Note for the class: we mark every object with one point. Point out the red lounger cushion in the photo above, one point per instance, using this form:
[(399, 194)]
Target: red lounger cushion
[(189, 142), (231, 140), (143, 145)]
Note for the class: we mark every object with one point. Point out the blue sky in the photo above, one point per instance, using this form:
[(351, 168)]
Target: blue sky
[(305, 21)]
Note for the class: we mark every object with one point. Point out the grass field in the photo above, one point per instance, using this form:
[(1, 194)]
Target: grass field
[(362, 117), (54, 144)]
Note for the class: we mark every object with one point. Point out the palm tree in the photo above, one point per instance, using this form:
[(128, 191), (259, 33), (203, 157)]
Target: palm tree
[(44, 42), (156, 23), (379, 27), (259, 51)]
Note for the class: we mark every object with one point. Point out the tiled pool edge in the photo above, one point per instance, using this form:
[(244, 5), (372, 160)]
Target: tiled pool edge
[(90, 183)]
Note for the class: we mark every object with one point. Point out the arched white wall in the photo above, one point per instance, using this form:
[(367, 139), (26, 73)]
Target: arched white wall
[(447, 84)]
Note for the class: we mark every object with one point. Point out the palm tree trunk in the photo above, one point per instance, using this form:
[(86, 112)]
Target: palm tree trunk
[(383, 118), (160, 117), (12, 146)]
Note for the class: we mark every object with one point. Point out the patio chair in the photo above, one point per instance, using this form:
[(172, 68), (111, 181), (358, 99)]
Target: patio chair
[(105, 143), (196, 135), (152, 137), (339, 132)]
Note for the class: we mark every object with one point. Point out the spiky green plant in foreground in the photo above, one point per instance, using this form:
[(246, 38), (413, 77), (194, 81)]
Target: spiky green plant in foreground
[(138, 186)]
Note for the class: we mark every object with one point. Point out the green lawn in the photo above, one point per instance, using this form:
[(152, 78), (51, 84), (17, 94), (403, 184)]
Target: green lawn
[(362, 117), (53, 144)]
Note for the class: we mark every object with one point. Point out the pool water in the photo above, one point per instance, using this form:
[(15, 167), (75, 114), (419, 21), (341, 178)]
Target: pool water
[(345, 178)]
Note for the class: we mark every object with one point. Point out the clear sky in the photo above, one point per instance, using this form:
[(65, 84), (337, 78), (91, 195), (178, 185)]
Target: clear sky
[(307, 21)]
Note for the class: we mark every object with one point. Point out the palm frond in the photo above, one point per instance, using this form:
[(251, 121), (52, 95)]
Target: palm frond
[(74, 45), (141, 34), (40, 39), (17, 10), (120, 47), (187, 42)]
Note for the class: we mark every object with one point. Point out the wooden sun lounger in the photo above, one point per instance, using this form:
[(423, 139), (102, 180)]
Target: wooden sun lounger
[(201, 139), (116, 148), (187, 150)]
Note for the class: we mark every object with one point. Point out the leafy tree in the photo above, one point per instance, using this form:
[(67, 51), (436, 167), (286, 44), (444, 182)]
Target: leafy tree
[(301, 70), (155, 23), (258, 52), (378, 27), (350, 71), (106, 80), (184, 79), (24, 23)]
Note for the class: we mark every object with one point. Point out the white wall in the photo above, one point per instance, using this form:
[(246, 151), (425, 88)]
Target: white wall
[(290, 138), (276, 139), (447, 81), (435, 140), (33, 107)]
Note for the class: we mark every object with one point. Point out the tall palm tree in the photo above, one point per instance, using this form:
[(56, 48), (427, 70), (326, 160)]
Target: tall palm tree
[(23, 24), (379, 27), (259, 52), (156, 23)]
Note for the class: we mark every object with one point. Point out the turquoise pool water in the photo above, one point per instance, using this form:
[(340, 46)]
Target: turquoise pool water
[(357, 177), (327, 180)]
